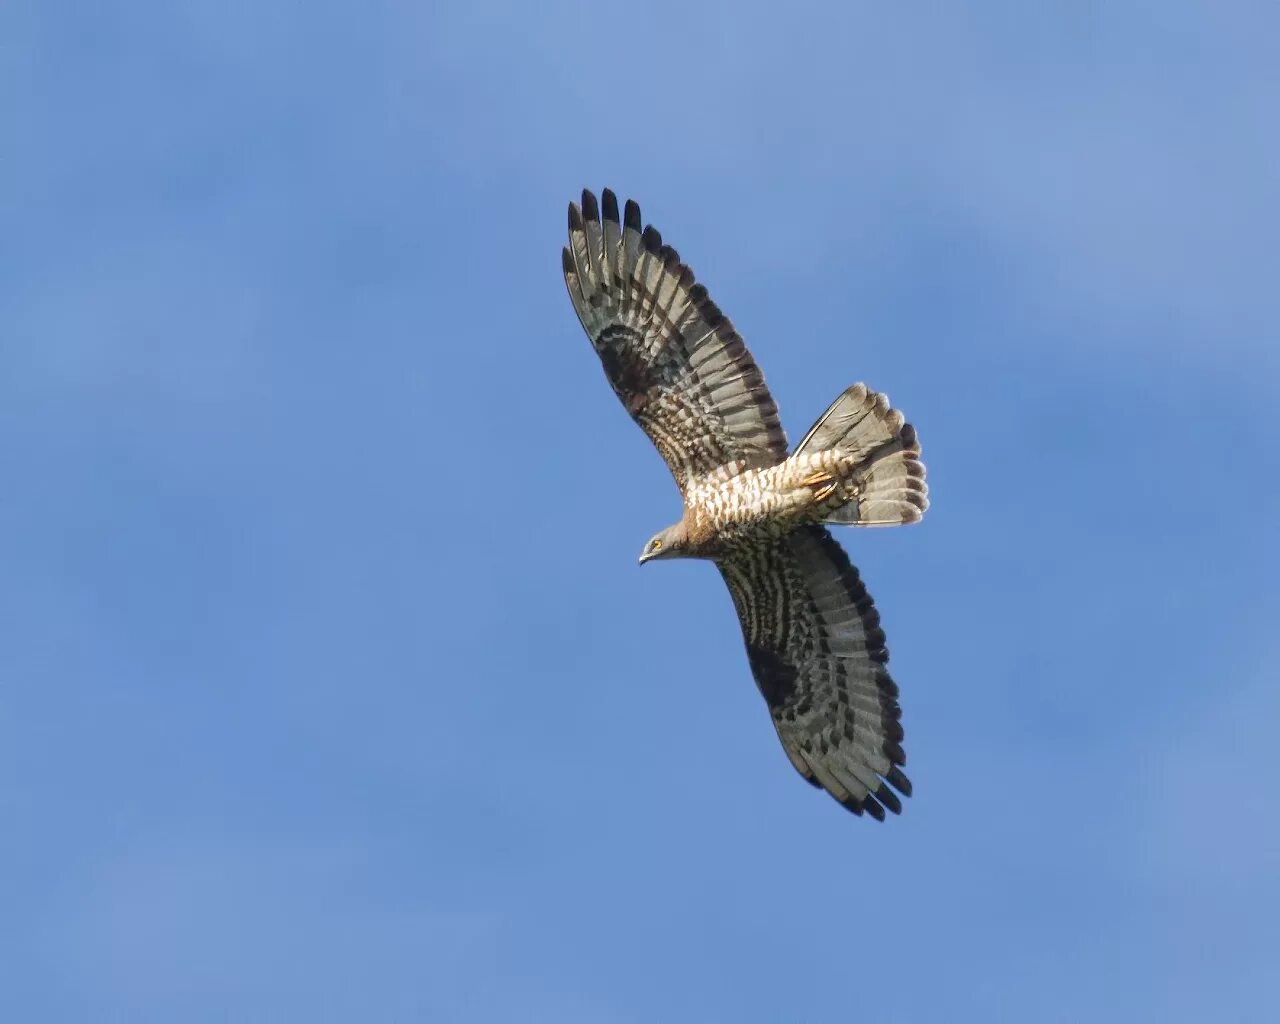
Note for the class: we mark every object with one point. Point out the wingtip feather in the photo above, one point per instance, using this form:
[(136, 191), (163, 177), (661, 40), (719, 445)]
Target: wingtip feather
[(631, 216), (890, 799), (610, 203)]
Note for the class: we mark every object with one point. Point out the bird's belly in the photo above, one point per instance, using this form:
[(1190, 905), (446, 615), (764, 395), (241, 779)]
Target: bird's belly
[(755, 501)]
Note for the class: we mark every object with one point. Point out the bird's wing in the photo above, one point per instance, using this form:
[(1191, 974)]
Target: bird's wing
[(674, 359), (818, 655)]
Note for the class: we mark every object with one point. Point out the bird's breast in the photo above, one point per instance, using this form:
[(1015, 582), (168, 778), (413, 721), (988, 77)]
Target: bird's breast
[(750, 501)]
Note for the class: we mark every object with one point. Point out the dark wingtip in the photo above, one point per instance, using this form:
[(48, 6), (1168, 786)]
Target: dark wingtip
[(873, 808), (632, 215), (894, 752), (610, 203), (652, 239), (566, 261), (890, 799), (590, 209), (850, 804), (575, 217), (899, 781)]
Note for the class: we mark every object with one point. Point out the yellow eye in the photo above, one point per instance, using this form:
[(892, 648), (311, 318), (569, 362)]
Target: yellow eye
[(655, 545)]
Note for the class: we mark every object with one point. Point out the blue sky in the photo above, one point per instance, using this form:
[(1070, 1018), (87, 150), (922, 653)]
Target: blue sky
[(329, 687)]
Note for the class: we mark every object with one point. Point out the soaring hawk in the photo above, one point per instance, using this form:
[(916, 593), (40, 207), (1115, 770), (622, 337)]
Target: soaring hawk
[(812, 633)]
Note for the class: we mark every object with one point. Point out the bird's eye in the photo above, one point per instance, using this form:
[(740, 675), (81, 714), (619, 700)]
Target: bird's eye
[(655, 545)]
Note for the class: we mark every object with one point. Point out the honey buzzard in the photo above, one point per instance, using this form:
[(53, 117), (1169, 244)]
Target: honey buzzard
[(812, 633)]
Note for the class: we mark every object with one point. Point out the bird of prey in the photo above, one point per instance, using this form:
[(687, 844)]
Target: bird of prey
[(812, 633)]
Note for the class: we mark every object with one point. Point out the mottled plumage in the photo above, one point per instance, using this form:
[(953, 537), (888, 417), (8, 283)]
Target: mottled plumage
[(812, 633)]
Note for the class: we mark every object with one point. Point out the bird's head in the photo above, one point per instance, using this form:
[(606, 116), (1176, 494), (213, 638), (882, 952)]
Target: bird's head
[(673, 542)]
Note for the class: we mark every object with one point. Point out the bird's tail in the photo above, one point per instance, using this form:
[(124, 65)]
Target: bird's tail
[(884, 484)]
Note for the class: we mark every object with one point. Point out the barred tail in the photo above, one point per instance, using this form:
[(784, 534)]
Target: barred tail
[(885, 486)]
